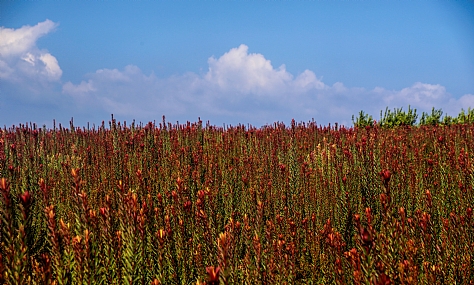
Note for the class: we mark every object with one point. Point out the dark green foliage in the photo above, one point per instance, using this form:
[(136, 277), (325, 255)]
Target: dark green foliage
[(363, 120), (463, 117), (398, 118), (431, 119)]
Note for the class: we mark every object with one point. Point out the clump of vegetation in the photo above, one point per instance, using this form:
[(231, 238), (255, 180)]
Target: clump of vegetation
[(363, 120), (398, 117), (432, 119)]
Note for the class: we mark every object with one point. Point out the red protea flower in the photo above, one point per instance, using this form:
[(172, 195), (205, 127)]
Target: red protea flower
[(368, 215), (384, 279), (213, 275), (386, 175), (282, 167), (200, 194), (26, 199), (385, 201), (429, 200), (103, 212), (357, 218), (174, 194), (366, 237), (161, 234), (339, 266), (245, 180), (42, 186), (402, 214), (187, 205), (139, 174)]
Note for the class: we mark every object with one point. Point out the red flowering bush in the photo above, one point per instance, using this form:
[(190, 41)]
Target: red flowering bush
[(199, 204)]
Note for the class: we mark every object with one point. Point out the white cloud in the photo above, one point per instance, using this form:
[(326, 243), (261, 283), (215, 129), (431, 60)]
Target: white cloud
[(467, 100), (15, 42), (237, 70), (245, 87), (51, 70), (339, 87), (116, 75), (307, 81), (28, 57), (420, 94), (21, 61), (80, 89), (238, 87)]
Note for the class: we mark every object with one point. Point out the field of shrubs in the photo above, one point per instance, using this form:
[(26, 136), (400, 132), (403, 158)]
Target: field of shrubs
[(193, 203)]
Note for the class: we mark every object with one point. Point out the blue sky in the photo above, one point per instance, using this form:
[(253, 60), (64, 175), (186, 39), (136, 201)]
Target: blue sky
[(232, 62)]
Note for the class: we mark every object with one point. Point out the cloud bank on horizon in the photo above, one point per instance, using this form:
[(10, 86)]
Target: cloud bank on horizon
[(238, 87)]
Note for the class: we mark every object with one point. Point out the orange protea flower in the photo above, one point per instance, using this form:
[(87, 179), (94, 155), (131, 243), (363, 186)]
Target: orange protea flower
[(213, 275), (4, 184), (74, 172)]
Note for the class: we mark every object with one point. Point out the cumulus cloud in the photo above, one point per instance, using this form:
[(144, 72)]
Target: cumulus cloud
[(246, 73), (307, 81), (237, 70), (15, 42), (22, 61), (244, 87)]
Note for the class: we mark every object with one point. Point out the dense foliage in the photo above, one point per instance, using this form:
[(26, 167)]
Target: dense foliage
[(194, 204), (398, 117)]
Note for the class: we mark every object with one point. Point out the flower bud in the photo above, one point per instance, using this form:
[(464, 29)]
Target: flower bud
[(103, 212), (26, 199), (4, 185)]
